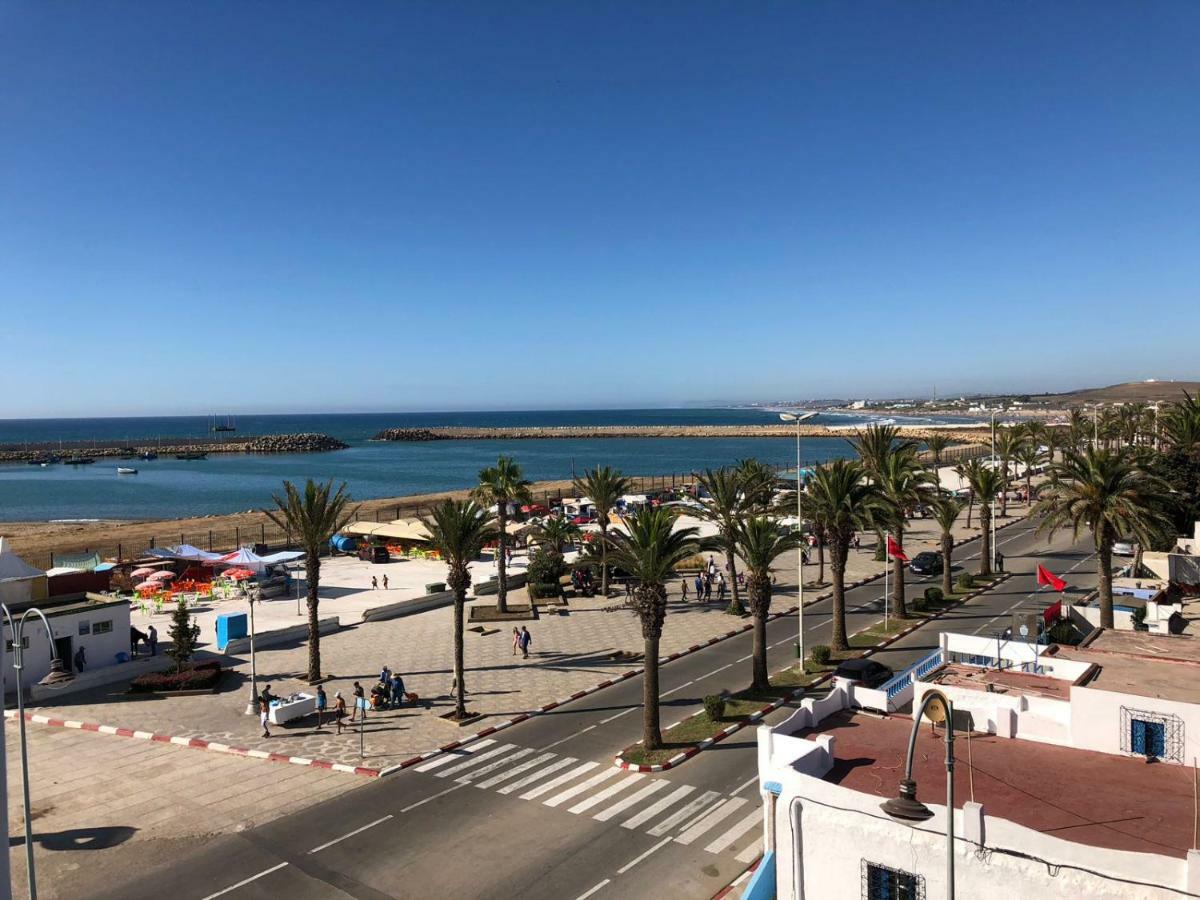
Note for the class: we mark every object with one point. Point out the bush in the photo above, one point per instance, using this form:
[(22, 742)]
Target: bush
[(714, 707), (964, 582), (934, 596), (200, 677), (546, 567), (544, 591), (821, 654), (917, 604)]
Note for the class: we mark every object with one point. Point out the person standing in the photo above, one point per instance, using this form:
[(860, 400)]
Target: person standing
[(152, 640), (339, 709), (712, 566), (322, 702), (526, 640), (264, 713), (385, 587), (359, 697), (385, 674), (699, 587), (374, 583), (516, 639), (708, 590), (397, 690), (683, 584), (80, 659)]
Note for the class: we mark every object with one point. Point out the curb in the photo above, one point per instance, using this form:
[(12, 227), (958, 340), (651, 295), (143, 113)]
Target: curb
[(733, 885)]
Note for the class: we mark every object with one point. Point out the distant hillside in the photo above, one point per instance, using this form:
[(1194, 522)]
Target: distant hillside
[(1131, 392)]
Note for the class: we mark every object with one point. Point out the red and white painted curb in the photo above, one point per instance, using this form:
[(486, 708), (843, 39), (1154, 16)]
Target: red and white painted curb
[(737, 882)]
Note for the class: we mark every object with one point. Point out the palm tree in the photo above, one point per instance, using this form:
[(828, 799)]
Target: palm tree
[(986, 484), (937, 444), (875, 444), (557, 532), (946, 510), (502, 484), (1029, 456), (760, 541), (650, 552), (726, 503), (1180, 424), (459, 529), (1079, 429), (962, 470), (1107, 492), (314, 516), (758, 483), (1008, 443), (903, 483), (604, 486), (840, 496)]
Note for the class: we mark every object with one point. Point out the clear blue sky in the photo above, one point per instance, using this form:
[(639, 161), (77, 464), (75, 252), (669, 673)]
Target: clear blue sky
[(304, 207)]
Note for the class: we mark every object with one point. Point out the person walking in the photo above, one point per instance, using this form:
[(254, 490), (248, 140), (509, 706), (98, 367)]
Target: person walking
[(683, 584), (339, 709), (264, 712), (526, 641), (385, 587), (80, 659), (628, 587), (385, 674), (720, 590), (516, 639), (397, 690), (152, 640), (359, 696), (322, 702), (712, 566), (699, 588), (374, 583)]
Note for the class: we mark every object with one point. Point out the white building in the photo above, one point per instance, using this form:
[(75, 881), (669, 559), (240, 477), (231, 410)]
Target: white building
[(96, 622), (1073, 777)]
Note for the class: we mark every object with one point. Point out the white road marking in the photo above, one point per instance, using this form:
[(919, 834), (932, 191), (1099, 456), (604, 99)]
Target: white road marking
[(629, 865), (561, 779), (726, 839), (454, 754), (751, 853), (350, 834), (515, 770), (493, 766), (434, 797), (742, 787), (538, 775), (622, 805), (476, 760), (618, 715), (674, 689), (569, 737), (726, 809), (746, 657), (582, 786), (234, 887), (593, 890), (722, 669), (650, 812), (585, 805), (680, 815)]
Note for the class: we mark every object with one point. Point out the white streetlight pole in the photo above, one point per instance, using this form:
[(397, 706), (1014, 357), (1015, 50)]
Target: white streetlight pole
[(798, 418), (252, 706)]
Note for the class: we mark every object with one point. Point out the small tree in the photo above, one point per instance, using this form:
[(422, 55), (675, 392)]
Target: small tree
[(183, 636)]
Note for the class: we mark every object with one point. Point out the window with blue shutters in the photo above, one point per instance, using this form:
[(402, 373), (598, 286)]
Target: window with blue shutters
[(1145, 733), (885, 883)]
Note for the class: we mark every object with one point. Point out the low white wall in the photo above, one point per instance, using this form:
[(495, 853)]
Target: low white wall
[(1016, 653), (280, 636), (408, 607)]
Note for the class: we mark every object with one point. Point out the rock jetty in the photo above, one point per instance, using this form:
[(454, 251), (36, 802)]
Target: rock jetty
[(448, 433), (270, 443)]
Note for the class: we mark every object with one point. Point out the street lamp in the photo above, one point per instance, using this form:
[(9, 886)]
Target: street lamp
[(252, 707), (937, 707), (57, 675), (798, 418)]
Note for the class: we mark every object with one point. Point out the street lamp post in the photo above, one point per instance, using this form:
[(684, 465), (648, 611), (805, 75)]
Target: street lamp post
[(798, 418), (906, 807), (57, 675), (252, 706)]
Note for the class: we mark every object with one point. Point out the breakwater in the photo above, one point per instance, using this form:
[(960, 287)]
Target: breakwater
[(588, 432), (270, 443)]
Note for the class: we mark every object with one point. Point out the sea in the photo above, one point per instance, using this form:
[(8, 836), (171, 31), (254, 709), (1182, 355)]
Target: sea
[(228, 483)]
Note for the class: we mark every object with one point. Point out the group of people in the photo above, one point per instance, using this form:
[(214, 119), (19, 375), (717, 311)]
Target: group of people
[(375, 582), (705, 581), (149, 637), (387, 693), (581, 581), (522, 640)]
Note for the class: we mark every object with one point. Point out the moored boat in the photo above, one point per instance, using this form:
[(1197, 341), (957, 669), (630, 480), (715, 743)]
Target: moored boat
[(125, 470)]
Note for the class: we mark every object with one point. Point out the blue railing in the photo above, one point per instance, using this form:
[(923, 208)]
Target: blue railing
[(916, 671)]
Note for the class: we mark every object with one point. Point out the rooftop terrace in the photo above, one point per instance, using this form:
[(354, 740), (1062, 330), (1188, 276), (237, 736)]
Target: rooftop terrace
[(1143, 664)]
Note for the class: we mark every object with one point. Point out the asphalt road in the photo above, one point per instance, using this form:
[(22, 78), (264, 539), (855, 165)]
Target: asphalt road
[(539, 811)]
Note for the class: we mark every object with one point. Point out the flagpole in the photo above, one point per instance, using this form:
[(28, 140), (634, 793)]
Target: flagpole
[(886, 566)]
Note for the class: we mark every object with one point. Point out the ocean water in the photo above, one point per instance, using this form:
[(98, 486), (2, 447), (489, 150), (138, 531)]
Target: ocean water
[(225, 483)]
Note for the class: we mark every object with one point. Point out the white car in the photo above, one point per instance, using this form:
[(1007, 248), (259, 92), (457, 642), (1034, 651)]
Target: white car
[(1123, 547)]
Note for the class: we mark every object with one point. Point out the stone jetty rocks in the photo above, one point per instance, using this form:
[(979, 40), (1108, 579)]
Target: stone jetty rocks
[(269, 443), (449, 433)]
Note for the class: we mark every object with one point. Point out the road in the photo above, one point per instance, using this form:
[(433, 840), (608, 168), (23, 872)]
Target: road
[(539, 811)]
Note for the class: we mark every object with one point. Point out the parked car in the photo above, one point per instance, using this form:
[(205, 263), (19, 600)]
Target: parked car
[(373, 553), (927, 563), (1123, 547), (866, 672)]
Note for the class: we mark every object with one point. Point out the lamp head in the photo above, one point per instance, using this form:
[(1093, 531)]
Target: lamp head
[(57, 675), (796, 417), (906, 806)]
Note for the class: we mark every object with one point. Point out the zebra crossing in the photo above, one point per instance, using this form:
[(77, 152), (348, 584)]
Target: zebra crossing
[(682, 813)]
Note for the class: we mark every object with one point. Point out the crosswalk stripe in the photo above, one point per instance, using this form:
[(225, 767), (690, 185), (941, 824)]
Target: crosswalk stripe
[(493, 766), (539, 774), (650, 812), (515, 770), (475, 760), (570, 792), (751, 853), (585, 805), (754, 818), (454, 754), (723, 811), (560, 780), (622, 805), (681, 815)]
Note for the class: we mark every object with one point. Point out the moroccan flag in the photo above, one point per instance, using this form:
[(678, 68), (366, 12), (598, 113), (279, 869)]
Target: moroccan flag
[(894, 550), (1051, 613), (1049, 579)]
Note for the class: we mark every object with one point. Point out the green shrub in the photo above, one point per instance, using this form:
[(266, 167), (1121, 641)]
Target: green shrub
[(546, 567), (821, 654), (714, 707), (964, 582), (202, 676), (934, 596), (917, 603), (544, 591)]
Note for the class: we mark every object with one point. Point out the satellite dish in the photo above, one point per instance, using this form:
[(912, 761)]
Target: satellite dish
[(935, 711)]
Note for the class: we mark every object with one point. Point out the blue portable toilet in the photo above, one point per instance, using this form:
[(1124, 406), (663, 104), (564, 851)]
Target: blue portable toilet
[(230, 626)]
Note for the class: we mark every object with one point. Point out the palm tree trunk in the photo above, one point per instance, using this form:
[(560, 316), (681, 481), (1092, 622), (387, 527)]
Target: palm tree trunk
[(947, 553), (1104, 569), (970, 506), (604, 557), (760, 681), (735, 604), (985, 557), (898, 606), (1028, 488), (820, 556), (501, 545), (837, 562), (312, 576), (460, 703), (651, 729)]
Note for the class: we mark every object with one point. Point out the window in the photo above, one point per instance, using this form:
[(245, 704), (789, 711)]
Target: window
[(102, 627), (1146, 733), (8, 645), (84, 628), (885, 883)]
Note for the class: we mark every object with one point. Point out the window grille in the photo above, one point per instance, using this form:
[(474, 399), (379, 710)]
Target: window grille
[(885, 883), (1146, 733)]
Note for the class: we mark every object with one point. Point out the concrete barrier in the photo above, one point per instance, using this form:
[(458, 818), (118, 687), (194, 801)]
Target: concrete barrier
[(281, 636), (492, 586), (408, 607)]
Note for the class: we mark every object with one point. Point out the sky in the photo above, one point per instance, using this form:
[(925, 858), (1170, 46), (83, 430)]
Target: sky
[(260, 207)]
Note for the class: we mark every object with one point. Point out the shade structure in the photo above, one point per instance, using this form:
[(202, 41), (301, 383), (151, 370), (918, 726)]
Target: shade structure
[(238, 574), (244, 559), (148, 585), (397, 530), (164, 575), (143, 572)]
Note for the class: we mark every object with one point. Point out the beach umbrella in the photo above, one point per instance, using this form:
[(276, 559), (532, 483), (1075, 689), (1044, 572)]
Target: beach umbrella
[(238, 574), (147, 584), (162, 576), (141, 573)]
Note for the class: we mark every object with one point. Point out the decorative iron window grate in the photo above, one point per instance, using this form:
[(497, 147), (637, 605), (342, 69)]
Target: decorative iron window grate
[(885, 883), (1154, 734)]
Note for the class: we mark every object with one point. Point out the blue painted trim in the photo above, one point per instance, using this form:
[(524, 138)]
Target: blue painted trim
[(762, 883), (774, 787)]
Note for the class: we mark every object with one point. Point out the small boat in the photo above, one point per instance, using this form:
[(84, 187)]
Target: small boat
[(79, 461), (227, 425), (125, 470), (149, 454), (191, 456)]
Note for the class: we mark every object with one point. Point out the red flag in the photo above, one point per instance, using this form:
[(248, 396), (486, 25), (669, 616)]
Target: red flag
[(1049, 579), (1052, 613), (894, 550)]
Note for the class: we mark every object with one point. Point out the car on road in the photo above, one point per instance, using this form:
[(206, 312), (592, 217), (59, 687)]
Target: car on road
[(927, 563), (866, 672), (1123, 547)]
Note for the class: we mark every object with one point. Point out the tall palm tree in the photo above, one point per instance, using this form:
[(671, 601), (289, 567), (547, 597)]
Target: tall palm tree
[(1008, 444), (1079, 429), (1180, 426), (604, 486), (946, 510), (459, 529), (760, 541), (758, 483), (314, 516), (962, 470), (840, 496), (875, 444), (937, 444), (502, 484), (557, 533), (903, 483), (650, 552), (1107, 492), (726, 503), (1029, 456), (986, 484)]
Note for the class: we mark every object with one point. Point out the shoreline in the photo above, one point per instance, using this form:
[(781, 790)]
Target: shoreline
[(268, 443), (958, 432)]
